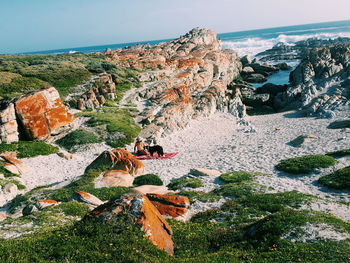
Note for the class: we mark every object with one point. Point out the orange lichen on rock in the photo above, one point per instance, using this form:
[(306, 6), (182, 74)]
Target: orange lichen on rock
[(42, 113), (170, 205), (140, 211), (180, 94), (118, 159), (187, 63)]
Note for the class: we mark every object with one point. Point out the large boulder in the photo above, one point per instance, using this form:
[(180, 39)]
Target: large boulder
[(136, 209), (114, 178), (118, 159), (42, 114)]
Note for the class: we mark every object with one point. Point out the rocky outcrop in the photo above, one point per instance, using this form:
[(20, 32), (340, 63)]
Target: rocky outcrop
[(13, 165), (98, 91), (42, 114), (320, 84), (182, 80), (118, 159), (87, 198), (136, 209), (173, 206)]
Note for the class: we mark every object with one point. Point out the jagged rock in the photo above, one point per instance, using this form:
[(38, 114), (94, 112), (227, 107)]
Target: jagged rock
[(151, 189), (42, 113), (29, 209), (204, 172), (118, 159), (302, 139), (183, 79), (8, 123), (320, 84), (247, 70), (98, 91), (173, 206), (114, 178), (246, 60), (89, 199), (136, 209)]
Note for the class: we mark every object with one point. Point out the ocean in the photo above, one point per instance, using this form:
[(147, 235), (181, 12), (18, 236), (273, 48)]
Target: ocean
[(245, 42)]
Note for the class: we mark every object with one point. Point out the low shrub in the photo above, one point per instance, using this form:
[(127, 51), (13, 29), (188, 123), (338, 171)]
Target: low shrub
[(239, 176), (305, 164), (28, 149), (185, 182), (148, 179), (340, 179), (77, 137)]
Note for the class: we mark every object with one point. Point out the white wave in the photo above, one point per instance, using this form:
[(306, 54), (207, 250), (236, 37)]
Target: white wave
[(253, 46)]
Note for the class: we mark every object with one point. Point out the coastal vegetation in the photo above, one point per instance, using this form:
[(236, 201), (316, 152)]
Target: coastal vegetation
[(340, 153), (77, 138), (185, 182), (148, 179), (339, 179), (28, 149), (305, 164)]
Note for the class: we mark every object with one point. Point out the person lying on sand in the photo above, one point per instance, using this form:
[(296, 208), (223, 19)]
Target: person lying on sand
[(139, 148)]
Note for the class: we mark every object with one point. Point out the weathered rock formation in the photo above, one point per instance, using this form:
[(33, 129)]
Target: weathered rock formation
[(136, 209), (118, 159), (114, 178), (183, 79), (320, 84), (98, 91), (34, 116), (42, 113)]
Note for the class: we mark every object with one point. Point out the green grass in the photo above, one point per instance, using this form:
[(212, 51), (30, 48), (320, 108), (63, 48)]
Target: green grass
[(148, 179), (240, 176), (305, 164), (200, 196), (77, 137), (340, 153), (185, 182), (28, 149), (4, 182), (116, 120), (340, 179)]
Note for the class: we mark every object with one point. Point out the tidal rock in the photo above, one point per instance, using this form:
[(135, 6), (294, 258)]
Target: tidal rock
[(255, 78), (302, 139), (42, 114), (204, 172), (114, 178), (173, 206), (136, 209), (89, 199), (118, 159)]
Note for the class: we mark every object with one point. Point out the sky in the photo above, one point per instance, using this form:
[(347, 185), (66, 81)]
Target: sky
[(36, 25)]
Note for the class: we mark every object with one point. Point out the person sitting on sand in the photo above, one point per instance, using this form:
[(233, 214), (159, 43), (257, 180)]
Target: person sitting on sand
[(139, 148)]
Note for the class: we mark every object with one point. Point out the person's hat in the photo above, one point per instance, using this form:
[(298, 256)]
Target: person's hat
[(138, 139)]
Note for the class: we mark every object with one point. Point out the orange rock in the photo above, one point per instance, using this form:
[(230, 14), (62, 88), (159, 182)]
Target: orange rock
[(40, 204), (42, 113), (87, 198), (14, 165), (140, 211), (118, 159), (170, 205)]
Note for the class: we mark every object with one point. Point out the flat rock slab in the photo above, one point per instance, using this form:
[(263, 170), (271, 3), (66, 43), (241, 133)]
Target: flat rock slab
[(151, 189), (302, 139), (204, 172)]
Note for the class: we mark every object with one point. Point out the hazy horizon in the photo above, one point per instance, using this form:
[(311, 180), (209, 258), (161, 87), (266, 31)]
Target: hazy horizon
[(41, 25)]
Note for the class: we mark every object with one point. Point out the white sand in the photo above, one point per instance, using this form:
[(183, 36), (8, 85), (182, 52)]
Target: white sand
[(219, 143)]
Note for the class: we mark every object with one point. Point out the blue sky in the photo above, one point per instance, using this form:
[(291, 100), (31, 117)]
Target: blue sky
[(32, 25)]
